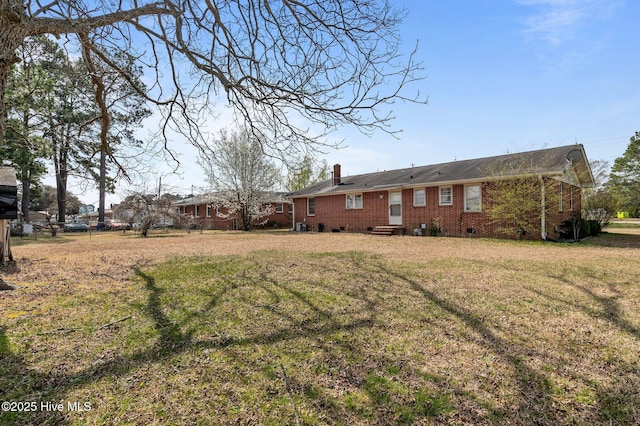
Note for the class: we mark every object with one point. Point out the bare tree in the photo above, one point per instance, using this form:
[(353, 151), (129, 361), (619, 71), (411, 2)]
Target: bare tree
[(148, 210), (601, 206), (242, 176), (599, 202), (600, 170), (305, 173), (281, 65)]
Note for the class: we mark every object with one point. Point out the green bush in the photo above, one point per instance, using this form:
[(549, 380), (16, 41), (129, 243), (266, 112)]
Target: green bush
[(585, 228), (566, 228)]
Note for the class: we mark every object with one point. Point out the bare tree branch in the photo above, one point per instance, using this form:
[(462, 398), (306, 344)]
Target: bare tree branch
[(293, 71), (62, 25)]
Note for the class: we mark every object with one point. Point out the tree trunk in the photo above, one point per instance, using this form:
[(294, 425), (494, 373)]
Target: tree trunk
[(245, 217), (61, 163), (61, 194), (102, 185), (12, 33)]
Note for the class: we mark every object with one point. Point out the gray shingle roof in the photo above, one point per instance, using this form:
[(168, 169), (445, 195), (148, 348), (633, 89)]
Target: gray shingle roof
[(549, 162), (212, 198), (7, 176)]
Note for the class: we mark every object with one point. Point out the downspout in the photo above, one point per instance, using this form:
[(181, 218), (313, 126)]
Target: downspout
[(293, 215), (543, 210)]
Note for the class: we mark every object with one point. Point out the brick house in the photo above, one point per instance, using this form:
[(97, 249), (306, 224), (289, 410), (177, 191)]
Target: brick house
[(206, 212), (451, 195)]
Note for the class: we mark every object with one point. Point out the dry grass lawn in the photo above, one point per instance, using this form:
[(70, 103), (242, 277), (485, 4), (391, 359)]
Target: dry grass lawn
[(308, 328)]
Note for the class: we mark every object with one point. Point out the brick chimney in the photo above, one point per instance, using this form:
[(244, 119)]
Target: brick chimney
[(336, 174)]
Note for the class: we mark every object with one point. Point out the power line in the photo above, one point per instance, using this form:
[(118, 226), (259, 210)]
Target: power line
[(603, 141)]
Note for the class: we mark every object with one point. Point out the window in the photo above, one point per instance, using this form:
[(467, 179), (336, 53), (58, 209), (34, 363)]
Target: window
[(560, 207), (311, 206), (472, 198), (354, 201), (279, 208), (571, 200), (419, 197), (290, 207), (446, 196), (197, 208), (208, 210)]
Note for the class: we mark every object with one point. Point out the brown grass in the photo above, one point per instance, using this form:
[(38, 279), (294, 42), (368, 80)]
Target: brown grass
[(178, 328)]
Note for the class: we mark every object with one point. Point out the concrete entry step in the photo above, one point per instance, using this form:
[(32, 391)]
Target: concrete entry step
[(388, 230)]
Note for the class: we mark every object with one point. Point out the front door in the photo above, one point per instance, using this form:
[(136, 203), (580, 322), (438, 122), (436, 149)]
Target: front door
[(395, 207)]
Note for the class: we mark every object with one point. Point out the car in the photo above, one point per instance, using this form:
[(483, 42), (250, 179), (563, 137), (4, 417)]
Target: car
[(120, 226), (75, 227)]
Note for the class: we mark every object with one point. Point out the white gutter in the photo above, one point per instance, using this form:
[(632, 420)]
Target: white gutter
[(543, 213)]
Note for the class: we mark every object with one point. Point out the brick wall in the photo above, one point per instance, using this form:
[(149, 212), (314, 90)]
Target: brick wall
[(453, 220), (332, 212), (279, 220)]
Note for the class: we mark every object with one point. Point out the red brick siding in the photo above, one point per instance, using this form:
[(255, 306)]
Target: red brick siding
[(454, 221), (280, 220), (333, 213)]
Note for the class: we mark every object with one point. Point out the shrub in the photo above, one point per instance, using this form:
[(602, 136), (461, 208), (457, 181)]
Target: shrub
[(567, 228)]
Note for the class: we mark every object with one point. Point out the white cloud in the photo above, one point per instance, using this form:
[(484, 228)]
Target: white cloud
[(558, 21)]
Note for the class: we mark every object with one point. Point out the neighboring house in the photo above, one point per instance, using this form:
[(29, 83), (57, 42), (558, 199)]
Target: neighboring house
[(93, 216), (207, 212), (449, 194), (38, 217)]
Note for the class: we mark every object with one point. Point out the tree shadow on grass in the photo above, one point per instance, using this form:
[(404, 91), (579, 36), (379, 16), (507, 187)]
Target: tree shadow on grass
[(352, 369), (538, 393), (614, 239), (174, 338), (619, 399), (171, 336), (536, 404), (20, 387), (610, 309)]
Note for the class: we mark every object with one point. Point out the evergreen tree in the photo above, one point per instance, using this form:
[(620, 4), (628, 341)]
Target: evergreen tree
[(23, 146), (624, 179)]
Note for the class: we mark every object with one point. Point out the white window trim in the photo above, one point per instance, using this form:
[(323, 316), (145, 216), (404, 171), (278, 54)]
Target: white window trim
[(561, 190), (355, 201), (424, 192), (466, 209), (197, 210), (208, 210), (314, 206), (440, 188), (281, 209), (571, 206)]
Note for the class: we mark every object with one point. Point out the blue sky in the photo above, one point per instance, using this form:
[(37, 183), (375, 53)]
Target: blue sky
[(513, 75), (502, 76)]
